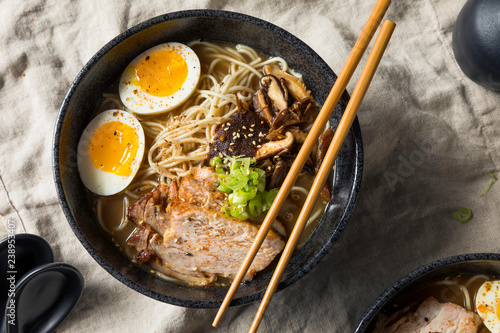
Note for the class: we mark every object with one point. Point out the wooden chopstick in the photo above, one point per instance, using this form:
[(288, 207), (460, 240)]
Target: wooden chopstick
[(316, 130), (326, 167)]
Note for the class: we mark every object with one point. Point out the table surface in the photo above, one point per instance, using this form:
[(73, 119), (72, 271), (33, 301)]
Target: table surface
[(431, 137)]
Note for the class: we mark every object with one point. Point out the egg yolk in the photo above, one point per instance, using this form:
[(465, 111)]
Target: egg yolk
[(498, 308), (161, 73), (114, 147)]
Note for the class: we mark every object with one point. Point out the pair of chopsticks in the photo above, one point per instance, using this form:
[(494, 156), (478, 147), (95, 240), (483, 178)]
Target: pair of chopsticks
[(327, 164)]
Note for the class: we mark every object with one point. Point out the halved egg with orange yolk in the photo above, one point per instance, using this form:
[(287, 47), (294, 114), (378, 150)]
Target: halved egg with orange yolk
[(110, 152), (488, 305), (160, 78)]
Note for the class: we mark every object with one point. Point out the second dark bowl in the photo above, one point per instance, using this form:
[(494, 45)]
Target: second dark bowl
[(467, 264)]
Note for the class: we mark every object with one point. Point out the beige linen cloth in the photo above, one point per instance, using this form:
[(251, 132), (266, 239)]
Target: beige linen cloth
[(431, 136)]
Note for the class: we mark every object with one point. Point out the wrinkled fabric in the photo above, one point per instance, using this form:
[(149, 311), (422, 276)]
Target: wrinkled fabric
[(431, 136)]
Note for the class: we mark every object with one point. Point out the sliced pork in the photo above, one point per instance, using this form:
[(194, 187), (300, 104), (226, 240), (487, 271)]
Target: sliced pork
[(433, 316), (200, 188), (153, 208), (183, 234), (204, 241)]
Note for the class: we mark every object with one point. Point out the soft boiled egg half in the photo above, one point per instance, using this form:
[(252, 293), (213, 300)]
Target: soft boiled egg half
[(160, 78), (110, 152), (488, 305)]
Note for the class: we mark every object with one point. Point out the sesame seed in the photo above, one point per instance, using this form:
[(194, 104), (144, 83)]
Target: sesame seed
[(244, 127), (253, 125), (250, 135), (253, 142)]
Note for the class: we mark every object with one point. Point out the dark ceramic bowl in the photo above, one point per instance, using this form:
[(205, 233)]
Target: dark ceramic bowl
[(467, 264), (476, 42), (105, 66)]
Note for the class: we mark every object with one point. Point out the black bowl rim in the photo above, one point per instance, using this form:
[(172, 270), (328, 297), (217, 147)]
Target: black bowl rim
[(355, 128), (390, 292)]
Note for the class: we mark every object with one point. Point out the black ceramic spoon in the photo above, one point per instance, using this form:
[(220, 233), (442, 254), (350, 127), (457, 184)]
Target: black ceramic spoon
[(43, 299), (29, 252)]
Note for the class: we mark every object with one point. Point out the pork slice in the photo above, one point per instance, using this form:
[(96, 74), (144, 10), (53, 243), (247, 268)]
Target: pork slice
[(436, 317), (204, 242), (200, 188), (140, 238), (192, 277), (207, 176), (140, 241), (152, 209)]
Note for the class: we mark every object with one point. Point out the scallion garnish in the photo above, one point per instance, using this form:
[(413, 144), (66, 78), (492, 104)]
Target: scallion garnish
[(492, 181), (463, 214), (245, 186)]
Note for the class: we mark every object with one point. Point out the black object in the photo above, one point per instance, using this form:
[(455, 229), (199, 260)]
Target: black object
[(476, 42), (43, 299), (29, 252), (79, 107), (36, 293), (474, 263)]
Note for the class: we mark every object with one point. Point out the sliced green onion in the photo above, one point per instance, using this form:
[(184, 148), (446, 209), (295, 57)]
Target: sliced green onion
[(224, 188), (463, 214), (240, 212), (255, 206), (270, 196), (245, 164), (234, 168), (235, 182), (245, 185), (216, 161), (492, 181), (241, 197), (261, 180)]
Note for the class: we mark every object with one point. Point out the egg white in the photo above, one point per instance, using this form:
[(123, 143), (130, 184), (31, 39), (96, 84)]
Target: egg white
[(102, 182), (141, 102), (487, 303)]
